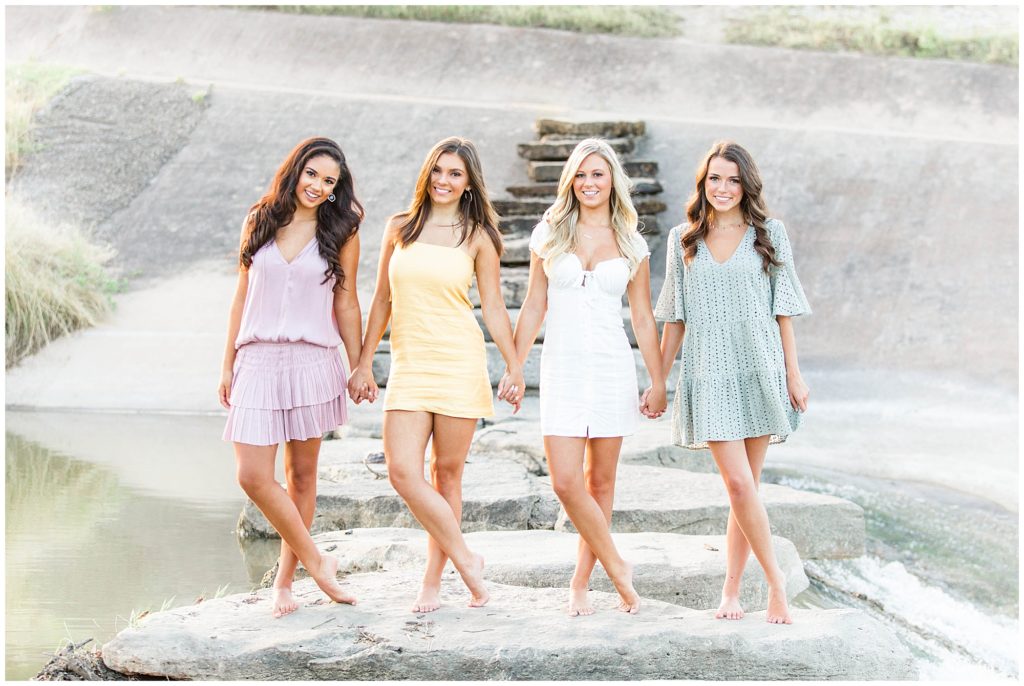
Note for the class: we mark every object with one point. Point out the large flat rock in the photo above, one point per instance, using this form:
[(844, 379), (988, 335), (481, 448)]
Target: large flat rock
[(672, 568), (677, 501), (497, 495), (521, 634)]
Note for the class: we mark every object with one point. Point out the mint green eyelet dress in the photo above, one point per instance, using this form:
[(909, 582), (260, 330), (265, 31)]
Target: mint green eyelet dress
[(732, 384)]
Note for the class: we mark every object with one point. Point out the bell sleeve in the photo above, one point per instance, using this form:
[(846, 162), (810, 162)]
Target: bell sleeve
[(788, 297), (671, 307)]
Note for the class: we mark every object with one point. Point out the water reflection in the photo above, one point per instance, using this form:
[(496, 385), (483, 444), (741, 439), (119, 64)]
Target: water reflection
[(108, 514)]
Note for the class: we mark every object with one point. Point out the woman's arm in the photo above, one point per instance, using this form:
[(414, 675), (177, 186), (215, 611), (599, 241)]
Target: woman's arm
[(533, 310), (227, 371), (492, 306), (362, 384), (638, 292), (671, 338), (798, 391), (346, 302)]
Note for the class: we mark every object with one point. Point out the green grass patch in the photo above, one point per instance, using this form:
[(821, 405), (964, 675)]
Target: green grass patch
[(28, 87), (789, 28), (625, 20), (56, 281)]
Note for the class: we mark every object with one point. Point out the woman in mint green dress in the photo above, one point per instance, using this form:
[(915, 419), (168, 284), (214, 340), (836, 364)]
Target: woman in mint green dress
[(731, 288)]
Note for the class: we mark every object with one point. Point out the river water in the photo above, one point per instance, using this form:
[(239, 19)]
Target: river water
[(109, 515)]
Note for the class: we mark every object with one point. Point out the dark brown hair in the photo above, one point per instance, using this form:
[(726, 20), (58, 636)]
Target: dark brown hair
[(701, 214), (336, 221), (475, 206)]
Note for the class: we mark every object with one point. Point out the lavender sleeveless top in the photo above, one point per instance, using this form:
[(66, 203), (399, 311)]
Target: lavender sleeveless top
[(286, 302)]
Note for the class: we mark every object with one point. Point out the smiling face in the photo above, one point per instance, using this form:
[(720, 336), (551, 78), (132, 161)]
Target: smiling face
[(448, 179), (722, 186), (592, 183), (317, 181)]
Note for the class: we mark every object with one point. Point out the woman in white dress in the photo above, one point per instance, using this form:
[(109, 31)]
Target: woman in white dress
[(585, 254)]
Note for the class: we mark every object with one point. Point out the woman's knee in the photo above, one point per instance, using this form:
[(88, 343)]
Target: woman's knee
[(740, 487), (567, 487), (301, 480), (252, 480)]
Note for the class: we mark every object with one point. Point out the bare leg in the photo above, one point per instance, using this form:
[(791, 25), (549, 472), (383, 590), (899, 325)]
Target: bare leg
[(256, 477), (405, 441), (450, 445), (736, 545), (599, 469), (752, 519), (565, 463), (300, 461)]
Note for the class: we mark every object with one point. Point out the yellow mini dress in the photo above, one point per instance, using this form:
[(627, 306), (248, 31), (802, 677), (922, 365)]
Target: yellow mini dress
[(438, 359)]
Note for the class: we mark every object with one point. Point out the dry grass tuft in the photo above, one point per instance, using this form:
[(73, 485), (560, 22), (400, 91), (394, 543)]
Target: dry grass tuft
[(28, 87), (56, 282), (626, 20)]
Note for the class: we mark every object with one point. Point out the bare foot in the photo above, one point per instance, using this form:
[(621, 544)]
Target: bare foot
[(473, 577), (328, 582), (428, 600), (284, 603), (630, 598), (579, 604), (778, 607), (729, 608)]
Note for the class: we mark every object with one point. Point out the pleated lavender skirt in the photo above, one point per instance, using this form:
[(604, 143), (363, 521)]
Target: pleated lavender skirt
[(285, 392)]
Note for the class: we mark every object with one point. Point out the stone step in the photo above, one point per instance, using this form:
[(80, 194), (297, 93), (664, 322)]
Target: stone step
[(504, 494), (676, 501), (587, 129), (517, 251), (552, 170), (672, 568), (561, 148), (641, 186), (514, 281), (519, 224), (522, 634), (535, 208)]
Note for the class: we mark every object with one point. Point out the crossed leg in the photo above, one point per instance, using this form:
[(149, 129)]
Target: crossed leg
[(450, 442), (740, 463), (599, 469), (405, 442), (300, 463), (565, 464), (255, 465)]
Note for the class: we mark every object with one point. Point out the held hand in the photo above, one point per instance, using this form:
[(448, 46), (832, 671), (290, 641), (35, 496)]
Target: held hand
[(798, 391), (224, 390), (361, 386), (653, 402), (512, 388)]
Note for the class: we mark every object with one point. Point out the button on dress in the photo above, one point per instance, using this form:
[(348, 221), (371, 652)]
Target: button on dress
[(732, 383), (588, 384)]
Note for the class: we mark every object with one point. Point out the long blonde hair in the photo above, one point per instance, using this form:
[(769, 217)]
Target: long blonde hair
[(564, 214)]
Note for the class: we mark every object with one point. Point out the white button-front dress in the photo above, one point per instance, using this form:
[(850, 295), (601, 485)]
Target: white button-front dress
[(588, 384)]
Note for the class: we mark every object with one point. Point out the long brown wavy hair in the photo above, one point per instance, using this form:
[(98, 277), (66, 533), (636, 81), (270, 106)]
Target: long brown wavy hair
[(336, 221), (701, 214), (474, 206)]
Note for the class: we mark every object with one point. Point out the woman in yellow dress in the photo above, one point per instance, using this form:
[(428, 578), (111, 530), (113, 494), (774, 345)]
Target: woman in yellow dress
[(438, 386)]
